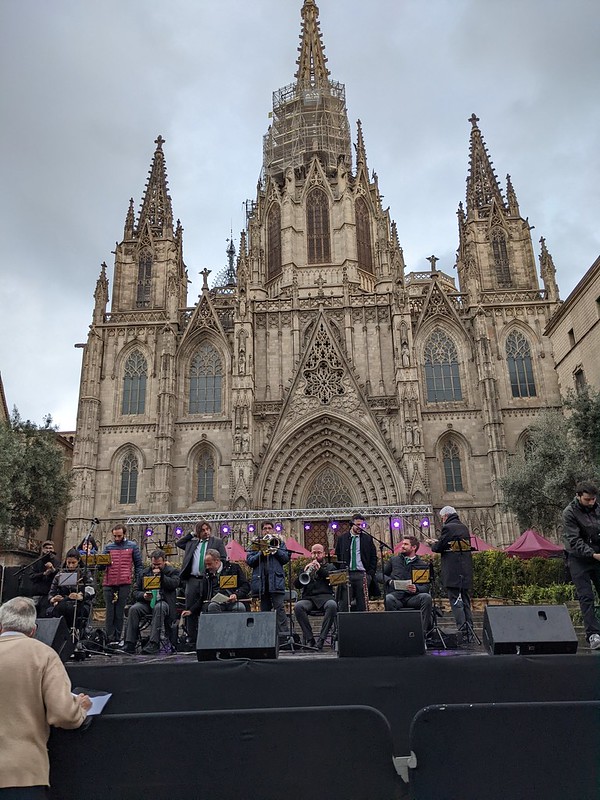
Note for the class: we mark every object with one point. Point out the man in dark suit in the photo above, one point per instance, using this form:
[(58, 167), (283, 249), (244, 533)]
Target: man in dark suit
[(357, 550), (160, 603), (192, 569), (225, 578), (454, 546)]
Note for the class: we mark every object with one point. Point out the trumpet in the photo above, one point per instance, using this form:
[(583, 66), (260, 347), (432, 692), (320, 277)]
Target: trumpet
[(268, 545), (309, 573)]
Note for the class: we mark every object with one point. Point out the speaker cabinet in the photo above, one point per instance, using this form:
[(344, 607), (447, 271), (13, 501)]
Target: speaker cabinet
[(54, 632), (364, 634), (528, 630), (237, 635)]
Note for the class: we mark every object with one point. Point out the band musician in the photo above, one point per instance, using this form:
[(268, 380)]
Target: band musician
[(193, 569), (268, 579), (223, 579), (42, 574), (159, 602), (72, 592), (317, 595), (124, 555), (408, 567), (357, 550)]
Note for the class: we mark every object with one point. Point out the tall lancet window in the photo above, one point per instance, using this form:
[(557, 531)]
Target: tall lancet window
[(501, 265), (274, 242), (206, 477), (144, 282), (317, 225), (363, 236), (129, 479), (442, 376), (134, 384), (520, 367), (206, 374), (452, 471)]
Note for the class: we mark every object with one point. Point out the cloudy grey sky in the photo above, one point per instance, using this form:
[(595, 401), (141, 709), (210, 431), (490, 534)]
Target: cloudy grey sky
[(87, 86)]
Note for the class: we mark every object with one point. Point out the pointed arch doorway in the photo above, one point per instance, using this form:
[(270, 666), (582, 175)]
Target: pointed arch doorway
[(328, 489)]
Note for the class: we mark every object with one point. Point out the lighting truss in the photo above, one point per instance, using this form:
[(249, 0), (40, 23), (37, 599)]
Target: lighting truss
[(246, 516)]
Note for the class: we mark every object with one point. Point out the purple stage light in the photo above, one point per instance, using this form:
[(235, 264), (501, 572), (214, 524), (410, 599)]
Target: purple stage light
[(149, 532), (178, 531), (251, 528), (396, 523), (425, 522), (279, 527)]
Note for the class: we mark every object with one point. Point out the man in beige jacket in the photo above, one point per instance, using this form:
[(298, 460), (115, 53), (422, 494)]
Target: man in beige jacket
[(35, 692)]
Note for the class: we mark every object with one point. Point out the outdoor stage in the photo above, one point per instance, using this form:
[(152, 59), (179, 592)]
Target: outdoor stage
[(279, 728)]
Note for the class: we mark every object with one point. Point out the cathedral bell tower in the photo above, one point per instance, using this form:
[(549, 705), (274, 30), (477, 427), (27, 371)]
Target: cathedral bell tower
[(495, 249), (149, 269)]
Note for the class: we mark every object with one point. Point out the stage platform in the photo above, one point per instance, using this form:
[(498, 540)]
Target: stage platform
[(200, 719)]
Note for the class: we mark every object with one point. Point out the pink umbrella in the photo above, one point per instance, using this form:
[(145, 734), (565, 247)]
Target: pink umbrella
[(531, 544), (235, 551), (292, 544), (479, 545)]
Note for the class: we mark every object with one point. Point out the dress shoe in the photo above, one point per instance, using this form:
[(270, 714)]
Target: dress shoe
[(128, 647), (150, 649), (319, 643), (310, 643)]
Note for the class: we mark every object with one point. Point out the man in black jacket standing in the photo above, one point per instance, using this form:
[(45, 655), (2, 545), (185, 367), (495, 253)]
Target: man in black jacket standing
[(454, 545), (192, 568), (356, 549), (581, 533)]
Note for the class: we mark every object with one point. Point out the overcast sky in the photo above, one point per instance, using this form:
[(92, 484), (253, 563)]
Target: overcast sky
[(87, 87)]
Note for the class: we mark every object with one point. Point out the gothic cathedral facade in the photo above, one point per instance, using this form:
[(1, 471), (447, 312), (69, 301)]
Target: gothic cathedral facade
[(316, 372)]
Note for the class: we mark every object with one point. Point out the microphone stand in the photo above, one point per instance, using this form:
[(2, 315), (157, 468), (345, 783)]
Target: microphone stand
[(382, 545), (291, 643)]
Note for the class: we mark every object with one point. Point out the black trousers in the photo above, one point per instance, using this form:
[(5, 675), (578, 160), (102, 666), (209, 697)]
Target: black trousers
[(585, 574)]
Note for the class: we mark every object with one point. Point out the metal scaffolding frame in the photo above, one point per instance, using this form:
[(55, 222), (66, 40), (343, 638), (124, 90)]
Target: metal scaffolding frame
[(307, 514)]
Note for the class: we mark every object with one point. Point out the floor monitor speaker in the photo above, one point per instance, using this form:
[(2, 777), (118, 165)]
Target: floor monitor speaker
[(237, 635), (528, 630), (54, 632), (390, 633)]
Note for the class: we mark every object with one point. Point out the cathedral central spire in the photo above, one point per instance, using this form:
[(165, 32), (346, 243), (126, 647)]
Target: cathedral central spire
[(312, 72), (309, 116), (482, 183), (156, 205)]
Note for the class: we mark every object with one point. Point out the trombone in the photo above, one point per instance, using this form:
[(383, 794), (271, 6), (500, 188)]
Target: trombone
[(268, 545)]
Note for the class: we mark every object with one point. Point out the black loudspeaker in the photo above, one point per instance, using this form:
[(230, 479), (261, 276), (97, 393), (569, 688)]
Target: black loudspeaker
[(391, 633), (54, 632), (528, 629), (237, 635)]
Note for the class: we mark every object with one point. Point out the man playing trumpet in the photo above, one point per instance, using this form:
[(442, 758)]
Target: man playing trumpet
[(317, 595), (268, 579)]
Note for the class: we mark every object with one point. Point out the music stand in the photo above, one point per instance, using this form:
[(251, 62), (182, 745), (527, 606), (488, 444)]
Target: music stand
[(293, 643)]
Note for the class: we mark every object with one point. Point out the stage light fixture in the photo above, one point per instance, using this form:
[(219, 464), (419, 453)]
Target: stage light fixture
[(425, 523), (307, 526), (396, 523), (334, 526), (178, 531), (278, 527), (149, 532), (225, 530), (251, 528)]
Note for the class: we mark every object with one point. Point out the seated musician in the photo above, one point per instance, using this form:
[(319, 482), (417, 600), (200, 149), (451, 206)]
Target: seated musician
[(404, 567), (72, 591), (317, 595), (159, 602), (225, 586)]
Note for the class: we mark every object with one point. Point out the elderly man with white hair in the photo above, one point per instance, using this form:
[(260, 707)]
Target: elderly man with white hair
[(35, 692), (454, 546)]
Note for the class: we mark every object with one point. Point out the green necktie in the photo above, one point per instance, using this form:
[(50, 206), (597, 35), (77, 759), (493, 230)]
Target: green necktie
[(353, 556), (202, 551)]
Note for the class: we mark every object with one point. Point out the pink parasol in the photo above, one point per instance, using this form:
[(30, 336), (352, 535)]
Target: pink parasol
[(235, 551), (301, 552)]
